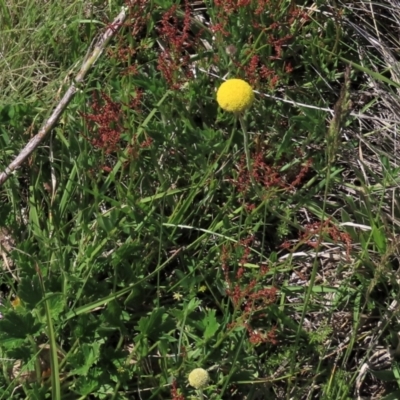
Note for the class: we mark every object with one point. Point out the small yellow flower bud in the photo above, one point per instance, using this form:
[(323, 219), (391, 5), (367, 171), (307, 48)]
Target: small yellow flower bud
[(16, 302), (199, 378)]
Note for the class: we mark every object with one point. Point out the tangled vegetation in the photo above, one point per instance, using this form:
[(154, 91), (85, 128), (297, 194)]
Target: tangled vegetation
[(153, 233)]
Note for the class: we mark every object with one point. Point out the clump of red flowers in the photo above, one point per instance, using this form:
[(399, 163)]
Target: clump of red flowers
[(176, 40), (248, 294), (104, 123), (268, 175), (175, 392), (314, 234)]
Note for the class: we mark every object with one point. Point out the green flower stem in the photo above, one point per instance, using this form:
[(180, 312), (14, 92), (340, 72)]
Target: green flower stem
[(247, 152)]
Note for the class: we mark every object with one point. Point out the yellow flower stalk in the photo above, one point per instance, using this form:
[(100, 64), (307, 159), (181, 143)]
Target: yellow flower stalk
[(235, 95), (199, 378)]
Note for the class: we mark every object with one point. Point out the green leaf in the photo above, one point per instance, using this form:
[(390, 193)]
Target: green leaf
[(18, 326), (22, 352), (86, 385), (12, 111), (157, 322), (87, 356), (56, 304), (30, 291), (112, 314), (211, 324), (379, 239)]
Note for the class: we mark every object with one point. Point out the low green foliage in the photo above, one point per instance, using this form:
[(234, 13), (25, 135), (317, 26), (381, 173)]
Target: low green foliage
[(145, 238)]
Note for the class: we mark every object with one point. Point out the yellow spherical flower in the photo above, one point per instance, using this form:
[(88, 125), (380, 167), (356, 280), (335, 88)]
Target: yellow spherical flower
[(235, 95), (199, 378)]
